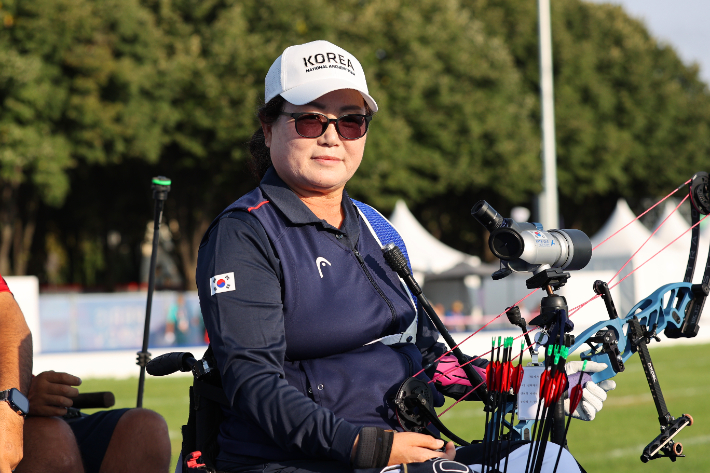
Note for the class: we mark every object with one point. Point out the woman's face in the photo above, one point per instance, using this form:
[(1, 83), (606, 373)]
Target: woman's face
[(316, 166)]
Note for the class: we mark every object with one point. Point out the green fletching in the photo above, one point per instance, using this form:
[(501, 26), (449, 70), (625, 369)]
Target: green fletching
[(161, 182), (565, 352), (584, 365), (557, 358), (549, 350), (499, 339), (522, 344)]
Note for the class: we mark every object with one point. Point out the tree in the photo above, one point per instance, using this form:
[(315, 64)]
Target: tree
[(78, 85), (116, 92), (631, 119)]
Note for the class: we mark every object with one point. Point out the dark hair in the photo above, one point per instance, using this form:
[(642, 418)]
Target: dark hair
[(260, 154)]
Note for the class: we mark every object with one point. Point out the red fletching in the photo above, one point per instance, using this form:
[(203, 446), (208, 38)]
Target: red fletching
[(507, 369), (490, 375), (575, 397), (560, 384), (500, 376), (544, 383), (517, 378), (550, 390)]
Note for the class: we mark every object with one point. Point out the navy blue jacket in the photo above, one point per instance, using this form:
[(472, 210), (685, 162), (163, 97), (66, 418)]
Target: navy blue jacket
[(293, 335)]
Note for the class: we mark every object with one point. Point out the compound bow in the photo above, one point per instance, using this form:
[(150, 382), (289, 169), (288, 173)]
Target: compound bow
[(674, 309)]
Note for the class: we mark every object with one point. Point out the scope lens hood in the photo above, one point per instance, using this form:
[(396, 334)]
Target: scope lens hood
[(506, 244)]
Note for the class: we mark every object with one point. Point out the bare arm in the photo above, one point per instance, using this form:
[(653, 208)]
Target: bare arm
[(16, 346), (15, 372)]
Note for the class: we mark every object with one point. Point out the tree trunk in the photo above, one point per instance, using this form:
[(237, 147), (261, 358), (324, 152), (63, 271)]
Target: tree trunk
[(22, 241), (192, 226), (8, 211)]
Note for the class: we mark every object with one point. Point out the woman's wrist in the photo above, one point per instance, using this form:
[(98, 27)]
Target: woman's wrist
[(372, 448)]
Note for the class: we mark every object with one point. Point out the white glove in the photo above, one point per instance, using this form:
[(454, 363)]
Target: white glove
[(593, 395)]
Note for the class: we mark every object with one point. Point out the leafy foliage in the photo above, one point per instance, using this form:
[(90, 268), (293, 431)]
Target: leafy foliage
[(99, 95)]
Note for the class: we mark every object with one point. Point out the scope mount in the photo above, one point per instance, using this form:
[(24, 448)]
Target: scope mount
[(553, 278)]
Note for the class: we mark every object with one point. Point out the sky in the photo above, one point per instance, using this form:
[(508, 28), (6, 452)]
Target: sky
[(684, 24)]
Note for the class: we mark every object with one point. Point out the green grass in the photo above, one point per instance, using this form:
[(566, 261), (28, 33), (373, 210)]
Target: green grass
[(612, 442), (168, 396)]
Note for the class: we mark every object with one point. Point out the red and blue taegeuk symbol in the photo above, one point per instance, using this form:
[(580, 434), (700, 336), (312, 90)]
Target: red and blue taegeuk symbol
[(221, 283)]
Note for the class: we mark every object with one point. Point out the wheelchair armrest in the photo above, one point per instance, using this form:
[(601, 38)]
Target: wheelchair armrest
[(170, 363)]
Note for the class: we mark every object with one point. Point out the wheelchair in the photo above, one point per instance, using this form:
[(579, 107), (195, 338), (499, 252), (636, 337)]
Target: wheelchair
[(199, 436)]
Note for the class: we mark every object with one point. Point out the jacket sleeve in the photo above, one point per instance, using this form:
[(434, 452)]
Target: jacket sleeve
[(246, 329)]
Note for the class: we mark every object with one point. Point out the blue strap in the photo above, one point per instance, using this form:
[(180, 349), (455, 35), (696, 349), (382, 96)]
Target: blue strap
[(384, 230), (386, 233)]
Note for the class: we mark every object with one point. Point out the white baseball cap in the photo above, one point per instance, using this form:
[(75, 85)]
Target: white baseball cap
[(305, 72)]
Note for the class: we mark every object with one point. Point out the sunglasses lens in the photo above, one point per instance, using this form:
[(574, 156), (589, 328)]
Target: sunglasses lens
[(310, 126), (352, 127)]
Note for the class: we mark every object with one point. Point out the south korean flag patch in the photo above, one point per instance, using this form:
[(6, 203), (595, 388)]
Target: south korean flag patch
[(222, 283)]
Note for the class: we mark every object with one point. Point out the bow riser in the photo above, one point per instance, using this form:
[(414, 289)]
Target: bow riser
[(665, 307)]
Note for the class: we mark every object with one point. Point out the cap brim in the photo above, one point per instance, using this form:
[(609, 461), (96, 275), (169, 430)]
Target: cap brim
[(307, 93)]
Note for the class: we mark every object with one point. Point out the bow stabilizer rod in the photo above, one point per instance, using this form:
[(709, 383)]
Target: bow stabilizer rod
[(396, 260)]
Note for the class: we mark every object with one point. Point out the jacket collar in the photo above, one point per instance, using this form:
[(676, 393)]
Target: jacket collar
[(280, 195)]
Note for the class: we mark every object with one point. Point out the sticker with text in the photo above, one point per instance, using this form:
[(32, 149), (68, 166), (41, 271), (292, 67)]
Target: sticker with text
[(529, 393)]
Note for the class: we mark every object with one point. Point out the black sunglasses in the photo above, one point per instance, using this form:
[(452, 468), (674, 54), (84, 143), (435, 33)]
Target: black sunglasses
[(312, 125)]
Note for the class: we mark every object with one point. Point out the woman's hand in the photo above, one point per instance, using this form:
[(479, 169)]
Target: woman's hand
[(410, 447), (51, 393)]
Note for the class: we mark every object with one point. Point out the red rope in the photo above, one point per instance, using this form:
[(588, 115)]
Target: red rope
[(648, 239), (647, 211)]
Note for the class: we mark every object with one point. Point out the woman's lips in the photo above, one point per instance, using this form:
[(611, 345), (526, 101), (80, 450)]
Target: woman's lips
[(326, 159)]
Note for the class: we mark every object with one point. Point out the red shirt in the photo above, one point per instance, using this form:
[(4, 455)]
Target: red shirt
[(3, 285)]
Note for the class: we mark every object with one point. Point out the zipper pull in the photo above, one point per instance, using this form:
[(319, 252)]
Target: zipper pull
[(359, 257)]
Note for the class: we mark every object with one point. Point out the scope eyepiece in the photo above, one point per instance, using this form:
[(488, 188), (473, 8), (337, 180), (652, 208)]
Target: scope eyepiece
[(487, 216)]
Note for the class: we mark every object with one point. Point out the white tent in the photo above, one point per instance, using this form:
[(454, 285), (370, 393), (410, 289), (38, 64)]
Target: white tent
[(625, 242), (654, 265), (426, 253), (673, 228)]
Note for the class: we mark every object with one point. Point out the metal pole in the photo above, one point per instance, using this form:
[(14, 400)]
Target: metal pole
[(548, 203), (161, 187)]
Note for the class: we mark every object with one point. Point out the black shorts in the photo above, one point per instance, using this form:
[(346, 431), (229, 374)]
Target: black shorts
[(93, 434)]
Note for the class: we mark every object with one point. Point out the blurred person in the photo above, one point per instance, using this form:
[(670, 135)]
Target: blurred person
[(15, 376), (177, 327), (456, 317), (456, 309)]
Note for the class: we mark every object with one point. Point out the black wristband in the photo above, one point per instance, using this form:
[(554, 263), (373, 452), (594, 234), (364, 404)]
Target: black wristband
[(373, 448)]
